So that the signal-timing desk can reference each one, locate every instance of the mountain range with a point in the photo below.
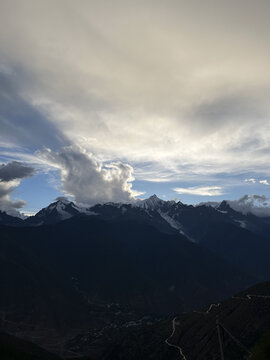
(167, 215)
(71, 273)
(241, 239)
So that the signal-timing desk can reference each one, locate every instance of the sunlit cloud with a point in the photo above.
(201, 191)
(264, 182)
(251, 180)
(89, 181)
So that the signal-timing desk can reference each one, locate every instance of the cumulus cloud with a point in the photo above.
(201, 191)
(10, 177)
(88, 180)
(255, 204)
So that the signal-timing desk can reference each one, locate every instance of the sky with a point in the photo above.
(116, 100)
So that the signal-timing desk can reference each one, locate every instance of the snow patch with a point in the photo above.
(60, 208)
(222, 211)
(152, 203)
(242, 223)
(173, 223)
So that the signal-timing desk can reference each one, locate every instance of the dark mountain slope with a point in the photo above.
(63, 271)
(241, 247)
(246, 317)
(36, 302)
(126, 261)
(12, 348)
(130, 212)
(9, 220)
(256, 224)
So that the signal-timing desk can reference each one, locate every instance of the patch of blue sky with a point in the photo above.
(38, 191)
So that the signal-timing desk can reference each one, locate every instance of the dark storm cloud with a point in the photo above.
(15, 170)
(6, 203)
(10, 176)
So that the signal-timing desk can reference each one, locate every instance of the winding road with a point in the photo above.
(173, 345)
(175, 322)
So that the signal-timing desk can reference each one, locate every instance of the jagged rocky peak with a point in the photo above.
(154, 199)
(151, 203)
(154, 202)
(61, 204)
(224, 206)
(62, 208)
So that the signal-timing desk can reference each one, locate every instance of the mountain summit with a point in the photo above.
(59, 210)
(153, 202)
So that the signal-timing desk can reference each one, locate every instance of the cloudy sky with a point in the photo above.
(111, 100)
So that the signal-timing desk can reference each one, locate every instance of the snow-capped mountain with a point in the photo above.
(152, 203)
(166, 209)
(148, 211)
(167, 216)
(59, 210)
(192, 221)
